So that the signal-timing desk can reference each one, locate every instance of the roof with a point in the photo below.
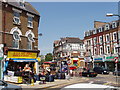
(56, 42)
(28, 7)
(72, 40)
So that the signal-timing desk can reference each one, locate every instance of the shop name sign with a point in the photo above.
(14, 54)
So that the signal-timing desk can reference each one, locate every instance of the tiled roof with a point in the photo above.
(28, 7)
(73, 40)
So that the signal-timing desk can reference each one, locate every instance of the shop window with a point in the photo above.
(30, 22)
(16, 18)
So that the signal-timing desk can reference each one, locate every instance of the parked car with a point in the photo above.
(89, 73)
(6, 86)
(116, 73)
(101, 70)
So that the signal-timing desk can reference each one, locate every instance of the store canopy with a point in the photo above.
(23, 60)
(72, 67)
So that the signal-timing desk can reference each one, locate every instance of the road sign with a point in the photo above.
(116, 59)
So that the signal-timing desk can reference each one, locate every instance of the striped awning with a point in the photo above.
(22, 60)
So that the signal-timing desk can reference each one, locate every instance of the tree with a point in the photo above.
(42, 59)
(48, 57)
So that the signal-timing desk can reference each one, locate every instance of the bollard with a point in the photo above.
(32, 82)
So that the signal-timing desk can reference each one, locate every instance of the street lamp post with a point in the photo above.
(118, 46)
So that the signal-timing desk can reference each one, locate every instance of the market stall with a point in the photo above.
(20, 66)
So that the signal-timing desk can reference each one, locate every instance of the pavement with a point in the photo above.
(57, 83)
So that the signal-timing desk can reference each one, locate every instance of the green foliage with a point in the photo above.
(48, 57)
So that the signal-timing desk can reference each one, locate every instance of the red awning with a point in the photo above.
(72, 67)
(75, 60)
(49, 62)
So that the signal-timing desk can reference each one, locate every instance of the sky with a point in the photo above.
(69, 19)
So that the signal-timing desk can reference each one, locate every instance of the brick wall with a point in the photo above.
(8, 22)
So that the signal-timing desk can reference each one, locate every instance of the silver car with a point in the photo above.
(6, 86)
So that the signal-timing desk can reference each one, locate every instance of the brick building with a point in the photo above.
(101, 44)
(19, 32)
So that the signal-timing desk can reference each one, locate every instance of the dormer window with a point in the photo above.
(22, 3)
(114, 24)
(107, 27)
(100, 29)
(94, 31)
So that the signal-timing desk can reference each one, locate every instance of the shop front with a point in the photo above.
(20, 65)
(98, 62)
(88, 62)
(81, 62)
(1, 67)
(110, 63)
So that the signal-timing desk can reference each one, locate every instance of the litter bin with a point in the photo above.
(50, 78)
(37, 78)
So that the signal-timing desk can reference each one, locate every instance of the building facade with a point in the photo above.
(18, 33)
(70, 49)
(101, 44)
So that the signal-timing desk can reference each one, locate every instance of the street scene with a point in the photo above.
(53, 45)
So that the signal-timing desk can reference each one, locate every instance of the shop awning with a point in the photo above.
(72, 67)
(23, 60)
(1, 58)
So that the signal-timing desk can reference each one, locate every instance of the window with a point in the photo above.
(107, 37)
(16, 44)
(114, 24)
(30, 22)
(94, 31)
(101, 39)
(107, 27)
(108, 49)
(101, 50)
(30, 40)
(100, 29)
(16, 18)
(22, 4)
(114, 36)
(95, 40)
(95, 51)
(16, 38)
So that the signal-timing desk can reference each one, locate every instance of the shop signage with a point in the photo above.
(15, 54)
(98, 59)
(110, 58)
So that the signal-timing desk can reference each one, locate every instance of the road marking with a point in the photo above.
(106, 84)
